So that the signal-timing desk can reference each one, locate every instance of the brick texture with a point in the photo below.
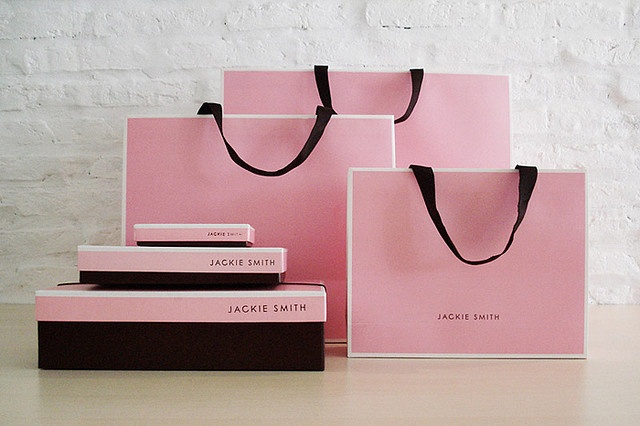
(71, 71)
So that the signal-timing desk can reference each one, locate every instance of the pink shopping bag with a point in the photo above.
(466, 263)
(444, 120)
(179, 170)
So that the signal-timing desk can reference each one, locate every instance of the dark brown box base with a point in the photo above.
(181, 346)
(194, 244)
(117, 278)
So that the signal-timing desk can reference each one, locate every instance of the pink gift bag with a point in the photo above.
(444, 120)
(466, 263)
(180, 170)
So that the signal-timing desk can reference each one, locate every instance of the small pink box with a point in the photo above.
(84, 326)
(194, 235)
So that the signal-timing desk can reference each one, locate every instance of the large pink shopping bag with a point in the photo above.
(444, 120)
(466, 263)
(180, 170)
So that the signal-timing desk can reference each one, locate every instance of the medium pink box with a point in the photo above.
(118, 265)
(194, 235)
(84, 326)
(409, 296)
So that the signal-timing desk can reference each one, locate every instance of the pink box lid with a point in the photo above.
(292, 302)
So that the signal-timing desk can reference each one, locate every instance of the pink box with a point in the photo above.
(194, 235)
(91, 327)
(409, 296)
(118, 265)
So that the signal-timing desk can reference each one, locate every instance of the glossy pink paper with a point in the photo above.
(460, 120)
(409, 295)
(178, 171)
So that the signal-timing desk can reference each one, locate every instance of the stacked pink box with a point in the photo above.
(187, 297)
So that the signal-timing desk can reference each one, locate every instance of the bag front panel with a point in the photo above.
(409, 294)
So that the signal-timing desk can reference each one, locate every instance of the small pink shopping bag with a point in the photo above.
(451, 263)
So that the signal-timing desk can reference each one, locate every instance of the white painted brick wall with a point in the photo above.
(72, 71)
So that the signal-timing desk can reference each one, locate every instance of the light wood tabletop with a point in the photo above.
(603, 389)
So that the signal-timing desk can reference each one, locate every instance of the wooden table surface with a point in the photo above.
(603, 389)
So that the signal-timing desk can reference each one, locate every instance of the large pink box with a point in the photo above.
(82, 326)
(409, 296)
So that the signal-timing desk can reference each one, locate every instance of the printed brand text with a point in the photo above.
(465, 316)
(252, 309)
(241, 262)
(223, 234)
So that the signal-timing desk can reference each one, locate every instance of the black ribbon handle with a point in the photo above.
(426, 181)
(321, 73)
(323, 115)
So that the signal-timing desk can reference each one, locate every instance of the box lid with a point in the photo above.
(291, 302)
